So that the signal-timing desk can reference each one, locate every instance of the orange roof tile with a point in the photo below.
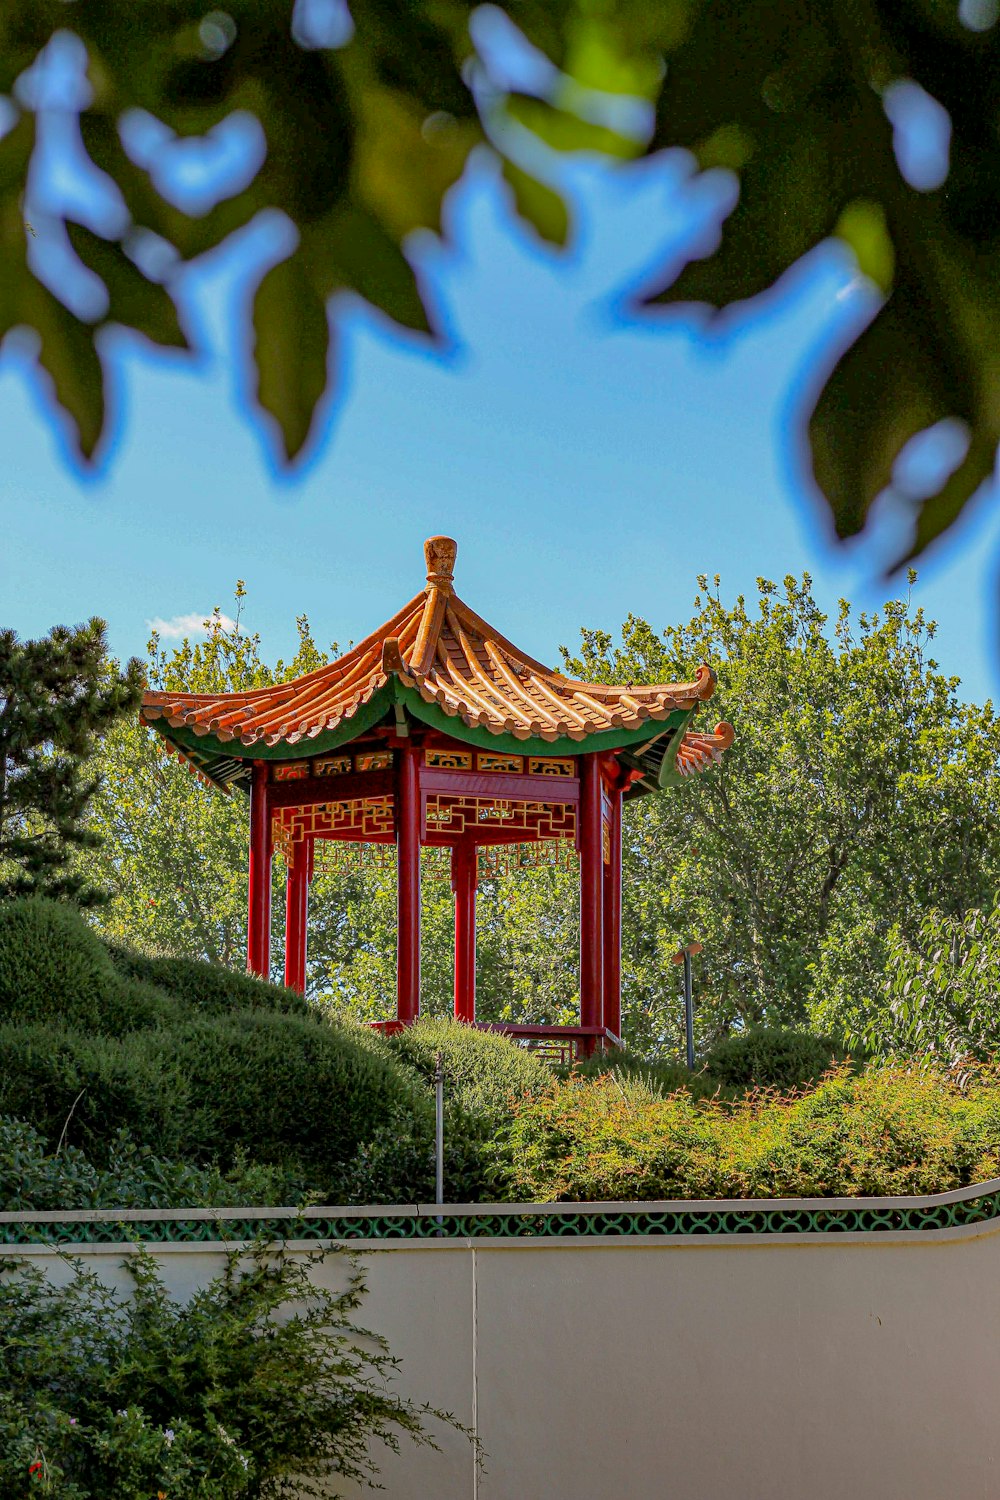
(440, 649)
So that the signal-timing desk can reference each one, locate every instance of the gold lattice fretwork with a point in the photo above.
(536, 820)
(506, 764)
(331, 765)
(546, 765)
(296, 770)
(448, 760)
(373, 760)
(362, 818)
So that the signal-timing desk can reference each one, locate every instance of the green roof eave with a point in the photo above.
(206, 748)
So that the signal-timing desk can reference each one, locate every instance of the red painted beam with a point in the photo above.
(408, 885)
(311, 789)
(591, 895)
(464, 879)
(512, 788)
(613, 920)
(259, 892)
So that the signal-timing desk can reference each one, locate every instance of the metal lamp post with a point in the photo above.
(684, 956)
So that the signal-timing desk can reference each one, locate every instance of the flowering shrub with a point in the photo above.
(260, 1387)
(891, 1131)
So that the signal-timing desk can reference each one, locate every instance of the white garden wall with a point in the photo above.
(796, 1366)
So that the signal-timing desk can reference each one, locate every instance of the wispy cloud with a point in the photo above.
(178, 626)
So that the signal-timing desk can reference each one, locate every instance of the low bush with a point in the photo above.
(288, 1092)
(770, 1057)
(484, 1070)
(661, 1074)
(884, 1131)
(34, 1177)
(82, 1089)
(261, 1376)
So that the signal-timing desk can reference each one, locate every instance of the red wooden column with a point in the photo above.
(259, 895)
(613, 919)
(407, 885)
(297, 916)
(591, 893)
(464, 880)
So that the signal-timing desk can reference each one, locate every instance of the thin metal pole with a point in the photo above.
(439, 1130)
(688, 1010)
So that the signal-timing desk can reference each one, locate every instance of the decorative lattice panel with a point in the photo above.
(556, 1221)
(535, 820)
(546, 765)
(362, 818)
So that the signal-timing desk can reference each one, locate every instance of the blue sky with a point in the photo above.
(589, 462)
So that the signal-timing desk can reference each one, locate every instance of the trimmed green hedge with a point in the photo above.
(210, 989)
(484, 1071)
(54, 968)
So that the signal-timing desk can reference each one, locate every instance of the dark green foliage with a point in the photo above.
(484, 1071)
(262, 1375)
(57, 696)
(288, 1091)
(770, 1057)
(32, 1176)
(209, 988)
(54, 968)
(398, 1164)
(85, 1088)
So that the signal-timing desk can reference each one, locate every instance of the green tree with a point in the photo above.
(368, 118)
(57, 696)
(860, 790)
(928, 990)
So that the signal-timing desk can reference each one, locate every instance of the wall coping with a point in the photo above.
(961, 1208)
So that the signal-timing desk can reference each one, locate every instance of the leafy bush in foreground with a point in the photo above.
(885, 1131)
(262, 1376)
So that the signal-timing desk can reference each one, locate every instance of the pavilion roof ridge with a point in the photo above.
(440, 650)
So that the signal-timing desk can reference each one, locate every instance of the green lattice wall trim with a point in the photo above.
(966, 1207)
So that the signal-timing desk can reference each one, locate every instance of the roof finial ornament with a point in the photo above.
(439, 554)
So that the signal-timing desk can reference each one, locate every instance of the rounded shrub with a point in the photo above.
(286, 1090)
(770, 1057)
(484, 1071)
(54, 968)
(83, 1089)
(210, 988)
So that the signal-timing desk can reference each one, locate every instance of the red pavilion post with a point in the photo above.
(408, 884)
(259, 896)
(464, 880)
(591, 894)
(613, 919)
(297, 916)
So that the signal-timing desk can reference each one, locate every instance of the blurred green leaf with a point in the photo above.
(537, 204)
(69, 357)
(561, 130)
(291, 345)
(135, 301)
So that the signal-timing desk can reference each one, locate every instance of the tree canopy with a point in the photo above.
(368, 117)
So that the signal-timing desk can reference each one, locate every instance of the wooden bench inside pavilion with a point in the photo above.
(437, 731)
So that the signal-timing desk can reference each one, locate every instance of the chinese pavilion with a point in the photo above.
(437, 730)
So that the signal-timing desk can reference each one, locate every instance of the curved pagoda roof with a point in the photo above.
(437, 662)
